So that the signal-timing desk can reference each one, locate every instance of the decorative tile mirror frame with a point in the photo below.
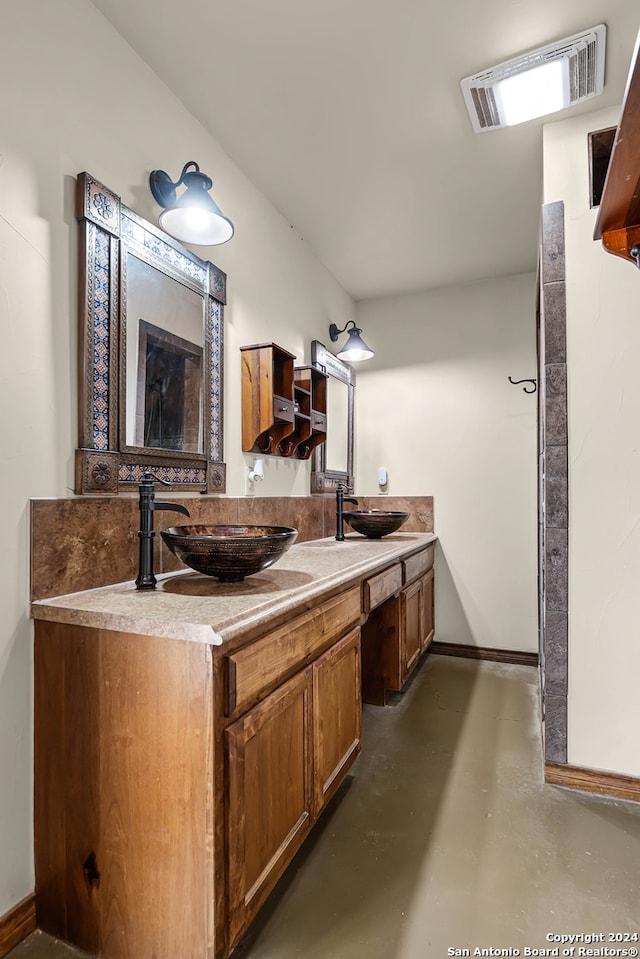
(332, 463)
(116, 245)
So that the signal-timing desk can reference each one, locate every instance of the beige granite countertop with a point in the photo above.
(187, 605)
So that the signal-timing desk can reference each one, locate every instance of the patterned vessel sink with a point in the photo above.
(375, 523)
(229, 552)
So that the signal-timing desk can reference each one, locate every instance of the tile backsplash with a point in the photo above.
(90, 541)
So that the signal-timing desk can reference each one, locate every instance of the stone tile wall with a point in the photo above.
(554, 516)
(87, 542)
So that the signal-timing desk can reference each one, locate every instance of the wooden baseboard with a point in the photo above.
(517, 657)
(593, 781)
(17, 924)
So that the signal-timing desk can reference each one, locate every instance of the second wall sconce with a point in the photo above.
(194, 216)
(355, 349)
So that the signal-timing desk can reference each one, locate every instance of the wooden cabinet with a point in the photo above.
(284, 408)
(399, 627)
(268, 416)
(310, 390)
(176, 779)
(618, 222)
(270, 800)
(285, 759)
(428, 617)
(411, 633)
(294, 701)
(337, 716)
(124, 799)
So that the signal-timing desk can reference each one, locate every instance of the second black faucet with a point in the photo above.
(341, 499)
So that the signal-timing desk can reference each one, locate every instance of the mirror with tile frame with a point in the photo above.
(150, 352)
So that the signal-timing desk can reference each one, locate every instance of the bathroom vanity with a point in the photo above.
(188, 738)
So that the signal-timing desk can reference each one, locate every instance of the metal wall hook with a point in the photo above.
(532, 389)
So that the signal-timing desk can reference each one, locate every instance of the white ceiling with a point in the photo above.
(348, 115)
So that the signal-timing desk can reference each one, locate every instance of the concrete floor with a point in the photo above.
(446, 838)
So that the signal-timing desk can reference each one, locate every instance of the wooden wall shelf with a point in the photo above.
(618, 223)
(284, 408)
(267, 397)
(310, 389)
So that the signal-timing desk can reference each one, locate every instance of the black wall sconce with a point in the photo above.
(194, 216)
(355, 348)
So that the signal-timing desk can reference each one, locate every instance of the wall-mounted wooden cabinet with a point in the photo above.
(267, 397)
(618, 222)
(284, 408)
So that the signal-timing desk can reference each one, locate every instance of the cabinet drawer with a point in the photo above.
(380, 587)
(418, 564)
(318, 421)
(282, 410)
(256, 669)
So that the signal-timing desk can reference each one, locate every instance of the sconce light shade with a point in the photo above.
(194, 216)
(355, 349)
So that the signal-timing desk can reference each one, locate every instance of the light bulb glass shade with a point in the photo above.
(196, 225)
(355, 349)
(533, 93)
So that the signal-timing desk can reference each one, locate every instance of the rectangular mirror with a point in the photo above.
(150, 384)
(333, 460)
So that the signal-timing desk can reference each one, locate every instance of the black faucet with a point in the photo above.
(341, 499)
(148, 506)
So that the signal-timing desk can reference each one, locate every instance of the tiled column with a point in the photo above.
(554, 513)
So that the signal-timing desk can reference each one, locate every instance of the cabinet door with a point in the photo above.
(411, 626)
(428, 619)
(269, 811)
(337, 716)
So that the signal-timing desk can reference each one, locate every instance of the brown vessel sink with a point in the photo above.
(375, 523)
(229, 552)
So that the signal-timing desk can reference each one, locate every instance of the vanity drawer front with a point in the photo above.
(417, 565)
(380, 587)
(282, 410)
(254, 670)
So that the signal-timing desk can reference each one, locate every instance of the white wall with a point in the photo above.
(74, 97)
(436, 408)
(603, 356)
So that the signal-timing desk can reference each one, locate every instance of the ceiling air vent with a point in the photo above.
(577, 66)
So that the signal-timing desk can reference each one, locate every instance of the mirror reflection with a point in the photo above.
(337, 422)
(164, 331)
